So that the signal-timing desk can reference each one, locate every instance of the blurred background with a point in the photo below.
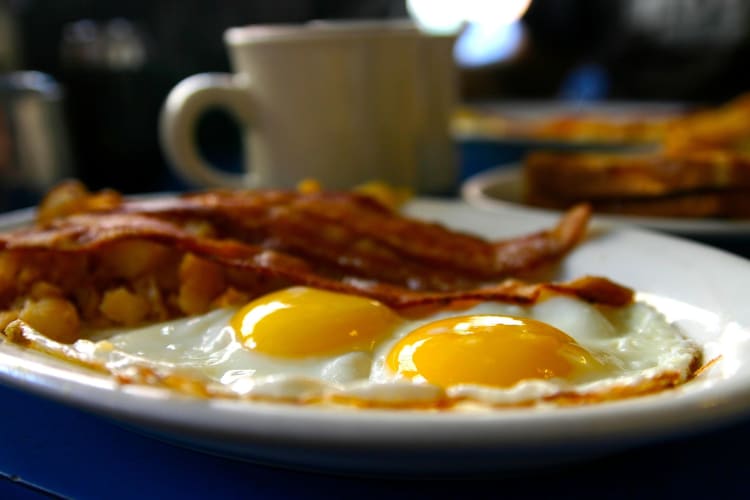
(116, 61)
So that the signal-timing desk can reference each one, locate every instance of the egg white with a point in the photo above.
(635, 341)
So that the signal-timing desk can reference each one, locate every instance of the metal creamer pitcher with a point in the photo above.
(34, 148)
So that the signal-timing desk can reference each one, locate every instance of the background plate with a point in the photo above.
(501, 188)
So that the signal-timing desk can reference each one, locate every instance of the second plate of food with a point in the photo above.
(502, 187)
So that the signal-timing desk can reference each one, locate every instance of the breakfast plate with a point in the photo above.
(501, 188)
(706, 302)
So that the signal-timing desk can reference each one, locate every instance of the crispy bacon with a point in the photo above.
(338, 234)
(334, 240)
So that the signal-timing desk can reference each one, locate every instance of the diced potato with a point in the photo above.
(390, 196)
(66, 198)
(309, 186)
(122, 306)
(72, 197)
(201, 281)
(54, 317)
(147, 288)
(132, 258)
(106, 199)
(42, 289)
(28, 274)
(231, 297)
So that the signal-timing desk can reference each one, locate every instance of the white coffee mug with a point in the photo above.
(340, 102)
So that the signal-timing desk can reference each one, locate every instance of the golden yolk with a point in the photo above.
(489, 350)
(303, 321)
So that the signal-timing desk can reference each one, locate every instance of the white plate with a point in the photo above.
(701, 289)
(501, 188)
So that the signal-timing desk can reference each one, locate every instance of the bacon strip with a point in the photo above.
(338, 219)
(339, 235)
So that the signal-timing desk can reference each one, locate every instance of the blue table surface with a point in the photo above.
(49, 449)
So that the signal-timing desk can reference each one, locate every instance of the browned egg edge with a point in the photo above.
(191, 386)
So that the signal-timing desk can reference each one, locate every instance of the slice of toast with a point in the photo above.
(724, 127)
(702, 169)
(720, 204)
(685, 184)
(604, 175)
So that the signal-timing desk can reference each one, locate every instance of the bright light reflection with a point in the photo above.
(257, 314)
(480, 44)
(436, 16)
(406, 356)
(471, 325)
(491, 28)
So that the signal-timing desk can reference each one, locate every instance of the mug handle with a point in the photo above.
(184, 105)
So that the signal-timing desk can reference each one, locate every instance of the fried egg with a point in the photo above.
(307, 345)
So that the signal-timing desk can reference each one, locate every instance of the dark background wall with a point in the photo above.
(118, 60)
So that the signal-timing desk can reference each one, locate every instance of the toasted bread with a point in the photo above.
(725, 204)
(702, 169)
(605, 175)
(686, 184)
(725, 127)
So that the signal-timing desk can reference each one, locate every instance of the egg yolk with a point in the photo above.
(301, 321)
(496, 351)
